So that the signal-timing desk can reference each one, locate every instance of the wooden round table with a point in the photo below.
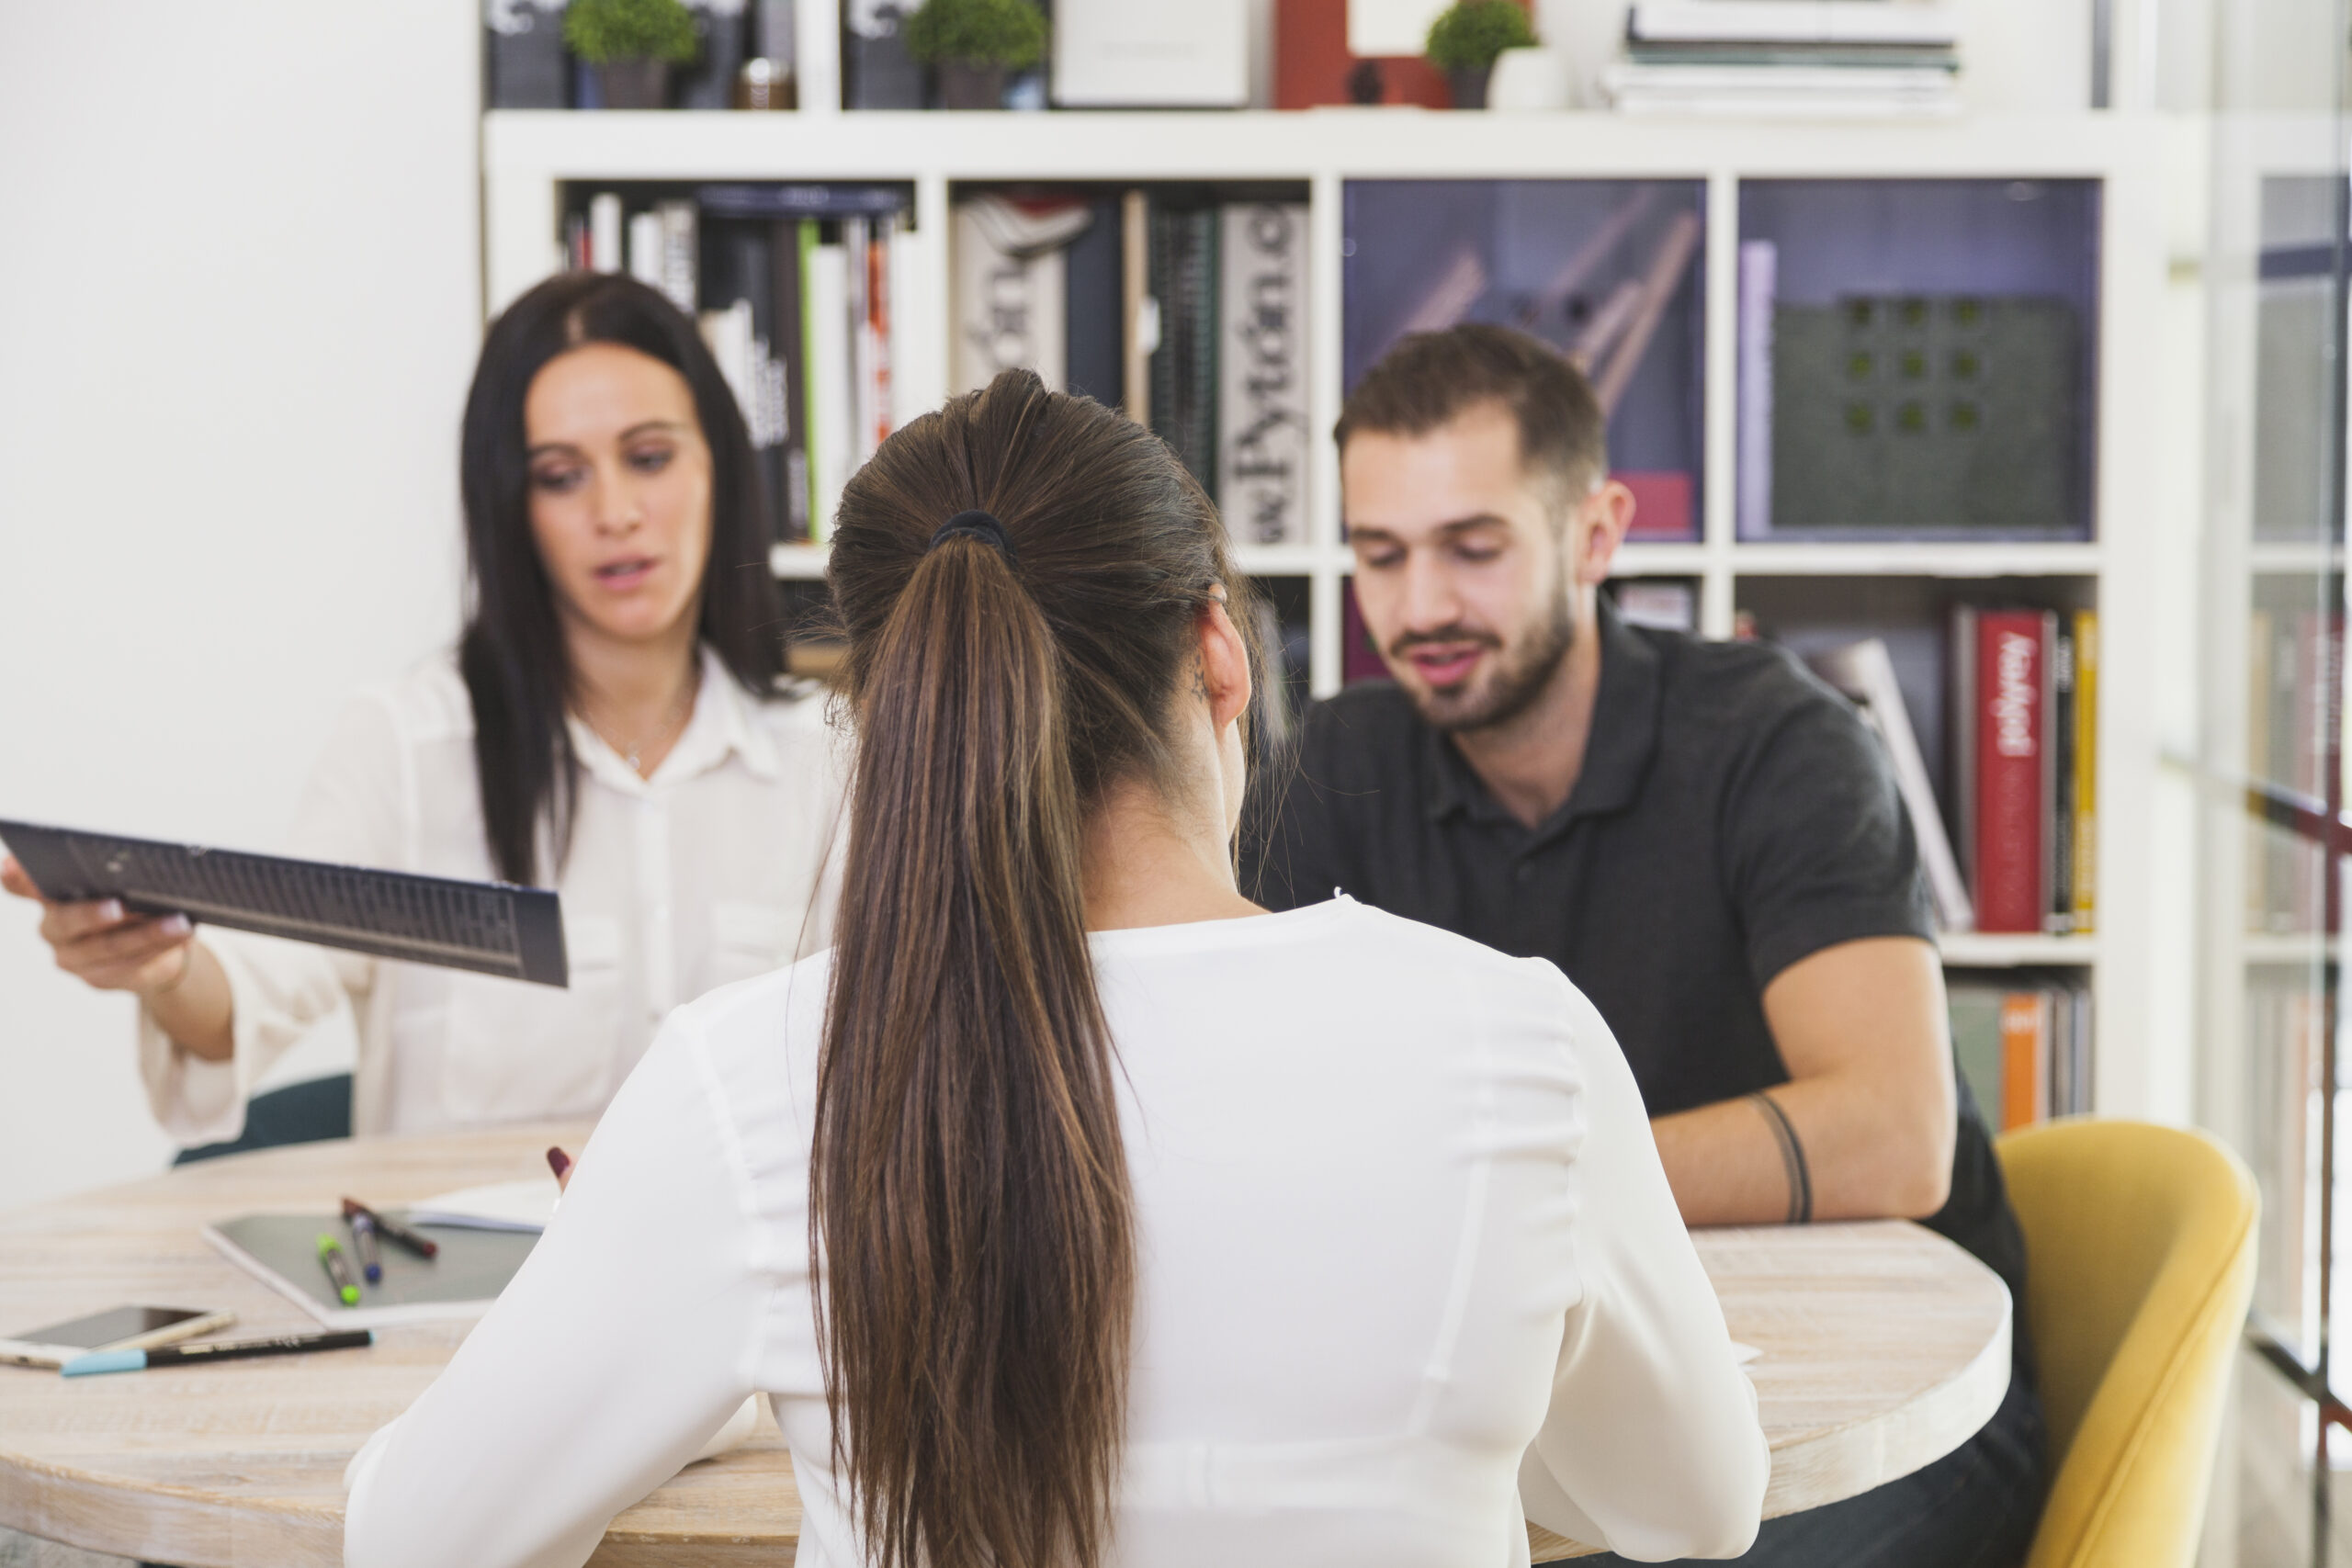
(1883, 1346)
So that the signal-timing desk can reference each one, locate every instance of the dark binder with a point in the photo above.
(490, 928)
(1093, 305)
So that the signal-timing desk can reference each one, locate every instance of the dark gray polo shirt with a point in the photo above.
(1733, 815)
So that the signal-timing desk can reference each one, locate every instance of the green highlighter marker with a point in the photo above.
(338, 1267)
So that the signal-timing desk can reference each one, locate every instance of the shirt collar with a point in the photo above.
(1617, 754)
(722, 726)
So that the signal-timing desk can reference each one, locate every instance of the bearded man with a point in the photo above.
(1703, 837)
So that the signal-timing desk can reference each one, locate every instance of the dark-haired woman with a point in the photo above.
(610, 725)
(1073, 1209)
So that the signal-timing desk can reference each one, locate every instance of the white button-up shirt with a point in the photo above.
(709, 872)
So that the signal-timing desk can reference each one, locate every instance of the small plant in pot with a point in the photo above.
(631, 45)
(973, 44)
(1464, 40)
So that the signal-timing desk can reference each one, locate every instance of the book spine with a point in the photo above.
(645, 248)
(830, 432)
(680, 227)
(604, 249)
(1139, 311)
(2011, 734)
(2025, 1058)
(789, 246)
(1009, 309)
(2058, 819)
(878, 335)
(857, 244)
(525, 43)
(1263, 442)
(1960, 720)
(1359, 658)
(1759, 267)
(2084, 881)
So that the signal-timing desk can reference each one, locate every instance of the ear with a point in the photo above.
(1225, 665)
(1596, 530)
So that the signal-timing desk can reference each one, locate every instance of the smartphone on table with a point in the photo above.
(119, 1329)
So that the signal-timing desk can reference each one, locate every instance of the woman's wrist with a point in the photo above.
(179, 976)
(193, 1009)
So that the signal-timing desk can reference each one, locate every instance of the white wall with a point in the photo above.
(239, 300)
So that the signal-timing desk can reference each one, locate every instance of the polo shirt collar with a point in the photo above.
(1617, 754)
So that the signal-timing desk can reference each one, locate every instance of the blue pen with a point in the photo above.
(363, 1240)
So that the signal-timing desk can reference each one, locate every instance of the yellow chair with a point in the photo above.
(2140, 1260)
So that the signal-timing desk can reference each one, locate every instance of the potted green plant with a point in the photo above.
(1464, 40)
(631, 45)
(973, 43)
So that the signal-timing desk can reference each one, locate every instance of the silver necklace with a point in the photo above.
(633, 751)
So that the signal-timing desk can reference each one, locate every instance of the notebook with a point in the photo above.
(282, 1252)
(492, 927)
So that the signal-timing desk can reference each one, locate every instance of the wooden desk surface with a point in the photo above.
(1883, 1347)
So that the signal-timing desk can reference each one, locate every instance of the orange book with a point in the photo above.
(2025, 1059)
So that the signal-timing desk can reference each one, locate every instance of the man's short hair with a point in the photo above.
(1430, 379)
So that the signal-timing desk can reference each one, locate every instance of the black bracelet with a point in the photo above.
(1791, 1158)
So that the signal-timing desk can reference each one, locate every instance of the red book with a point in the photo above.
(1662, 507)
(1359, 658)
(2012, 738)
(1312, 62)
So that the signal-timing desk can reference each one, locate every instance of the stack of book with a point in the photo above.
(2024, 718)
(2020, 765)
(1798, 57)
(2023, 1047)
(792, 286)
(1186, 310)
(2294, 679)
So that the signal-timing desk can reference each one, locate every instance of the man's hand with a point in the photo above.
(1863, 1032)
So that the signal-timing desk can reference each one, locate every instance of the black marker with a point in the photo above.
(424, 1247)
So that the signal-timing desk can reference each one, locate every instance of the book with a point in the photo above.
(1183, 367)
(1960, 735)
(525, 1205)
(604, 243)
(1008, 288)
(785, 199)
(2011, 724)
(1809, 91)
(645, 247)
(790, 348)
(2085, 839)
(1152, 53)
(1918, 22)
(522, 53)
(1758, 282)
(1864, 674)
(1974, 1006)
(2058, 837)
(1264, 446)
(681, 269)
(1358, 655)
(857, 240)
(741, 331)
(1139, 309)
(1093, 333)
(2025, 1021)
(490, 927)
(824, 273)
(281, 1251)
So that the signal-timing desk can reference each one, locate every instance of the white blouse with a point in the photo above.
(1409, 1273)
(704, 873)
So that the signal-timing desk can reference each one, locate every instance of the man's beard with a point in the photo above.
(1519, 677)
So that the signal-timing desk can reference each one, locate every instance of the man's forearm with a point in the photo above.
(1863, 1159)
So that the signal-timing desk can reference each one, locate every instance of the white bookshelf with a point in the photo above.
(528, 156)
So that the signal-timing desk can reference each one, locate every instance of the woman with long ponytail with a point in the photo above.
(1072, 1210)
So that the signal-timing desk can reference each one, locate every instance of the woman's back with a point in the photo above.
(1378, 1171)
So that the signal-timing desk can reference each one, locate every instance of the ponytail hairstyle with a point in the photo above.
(512, 652)
(970, 1212)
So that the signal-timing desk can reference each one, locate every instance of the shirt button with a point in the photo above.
(1524, 872)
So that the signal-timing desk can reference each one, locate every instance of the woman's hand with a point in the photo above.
(101, 944)
(155, 957)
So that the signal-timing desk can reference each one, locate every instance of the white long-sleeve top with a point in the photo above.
(1408, 1266)
(707, 872)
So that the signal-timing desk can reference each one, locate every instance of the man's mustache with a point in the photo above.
(1456, 633)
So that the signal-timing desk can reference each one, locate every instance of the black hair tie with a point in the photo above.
(980, 526)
